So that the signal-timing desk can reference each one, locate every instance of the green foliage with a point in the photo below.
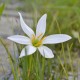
(2, 6)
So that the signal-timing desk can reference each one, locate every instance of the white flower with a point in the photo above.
(36, 41)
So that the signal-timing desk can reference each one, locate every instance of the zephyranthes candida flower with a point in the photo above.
(37, 41)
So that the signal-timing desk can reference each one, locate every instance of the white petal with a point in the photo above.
(41, 26)
(57, 38)
(20, 39)
(28, 50)
(46, 52)
(26, 28)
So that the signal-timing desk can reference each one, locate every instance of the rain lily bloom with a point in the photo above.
(37, 41)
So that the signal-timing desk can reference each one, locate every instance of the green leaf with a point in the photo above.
(2, 6)
(8, 52)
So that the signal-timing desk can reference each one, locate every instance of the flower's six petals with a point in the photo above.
(25, 28)
(41, 26)
(20, 39)
(28, 50)
(57, 38)
(40, 30)
(46, 52)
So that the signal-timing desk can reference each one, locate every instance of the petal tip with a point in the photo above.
(53, 56)
(8, 38)
(69, 37)
(19, 13)
(45, 15)
(50, 57)
(21, 56)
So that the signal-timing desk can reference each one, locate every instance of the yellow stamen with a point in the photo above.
(40, 42)
(33, 37)
(39, 35)
(36, 41)
(43, 38)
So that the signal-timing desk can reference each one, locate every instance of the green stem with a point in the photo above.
(37, 68)
(63, 66)
(71, 61)
(10, 58)
(58, 26)
(43, 68)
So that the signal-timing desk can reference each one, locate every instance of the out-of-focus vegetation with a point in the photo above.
(2, 6)
(63, 17)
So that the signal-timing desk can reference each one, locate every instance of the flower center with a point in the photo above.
(36, 42)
